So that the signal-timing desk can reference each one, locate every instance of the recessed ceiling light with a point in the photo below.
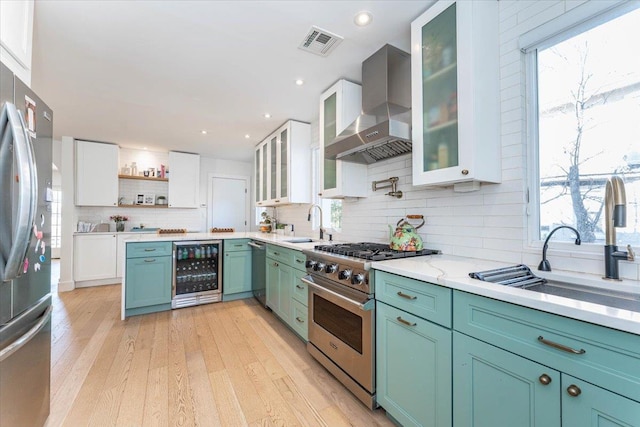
(299, 82)
(247, 136)
(267, 115)
(204, 132)
(363, 18)
(144, 148)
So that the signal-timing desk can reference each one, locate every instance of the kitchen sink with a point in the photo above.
(520, 276)
(609, 297)
(299, 240)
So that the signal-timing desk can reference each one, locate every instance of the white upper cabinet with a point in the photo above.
(184, 180)
(340, 105)
(96, 174)
(16, 37)
(283, 166)
(456, 94)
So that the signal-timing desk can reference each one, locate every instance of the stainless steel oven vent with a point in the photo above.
(383, 151)
(320, 42)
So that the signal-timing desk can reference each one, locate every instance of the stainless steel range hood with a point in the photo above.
(383, 130)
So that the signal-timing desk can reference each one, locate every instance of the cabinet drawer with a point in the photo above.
(148, 249)
(278, 253)
(602, 356)
(236, 245)
(299, 291)
(299, 319)
(429, 301)
(299, 260)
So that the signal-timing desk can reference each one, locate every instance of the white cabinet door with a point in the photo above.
(340, 105)
(94, 256)
(121, 249)
(96, 174)
(456, 94)
(16, 37)
(184, 180)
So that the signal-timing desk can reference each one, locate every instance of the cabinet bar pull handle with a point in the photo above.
(560, 346)
(299, 287)
(401, 320)
(574, 390)
(276, 253)
(545, 379)
(238, 246)
(149, 249)
(300, 319)
(299, 261)
(403, 295)
(150, 260)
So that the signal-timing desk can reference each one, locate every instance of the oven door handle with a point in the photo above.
(367, 306)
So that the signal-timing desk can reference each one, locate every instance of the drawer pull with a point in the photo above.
(299, 287)
(276, 253)
(299, 261)
(545, 379)
(401, 320)
(149, 249)
(300, 320)
(150, 260)
(238, 246)
(275, 264)
(574, 390)
(403, 295)
(560, 346)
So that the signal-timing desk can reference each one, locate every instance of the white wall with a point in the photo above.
(489, 223)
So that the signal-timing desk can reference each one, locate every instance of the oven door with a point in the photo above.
(342, 326)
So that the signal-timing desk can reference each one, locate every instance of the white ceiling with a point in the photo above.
(155, 73)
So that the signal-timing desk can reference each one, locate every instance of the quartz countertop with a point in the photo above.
(453, 272)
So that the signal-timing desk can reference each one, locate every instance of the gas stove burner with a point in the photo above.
(371, 251)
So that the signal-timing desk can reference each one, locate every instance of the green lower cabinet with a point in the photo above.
(236, 274)
(413, 368)
(279, 279)
(493, 387)
(299, 319)
(148, 282)
(586, 405)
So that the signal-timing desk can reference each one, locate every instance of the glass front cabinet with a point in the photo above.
(283, 165)
(456, 94)
(340, 105)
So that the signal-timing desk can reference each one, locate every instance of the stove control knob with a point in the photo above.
(344, 275)
(319, 266)
(358, 279)
(331, 268)
(310, 263)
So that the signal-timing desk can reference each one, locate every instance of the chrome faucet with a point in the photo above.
(309, 219)
(615, 215)
(544, 264)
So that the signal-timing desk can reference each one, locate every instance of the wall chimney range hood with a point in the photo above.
(383, 130)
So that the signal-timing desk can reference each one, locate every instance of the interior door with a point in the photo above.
(229, 203)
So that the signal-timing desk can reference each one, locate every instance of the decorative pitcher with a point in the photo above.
(405, 237)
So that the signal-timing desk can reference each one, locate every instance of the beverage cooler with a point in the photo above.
(197, 273)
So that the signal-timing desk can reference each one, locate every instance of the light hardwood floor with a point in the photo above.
(224, 364)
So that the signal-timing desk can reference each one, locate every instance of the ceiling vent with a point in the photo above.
(320, 42)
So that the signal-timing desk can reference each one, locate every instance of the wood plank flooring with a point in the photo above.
(224, 364)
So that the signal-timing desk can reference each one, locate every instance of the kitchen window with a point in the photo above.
(583, 100)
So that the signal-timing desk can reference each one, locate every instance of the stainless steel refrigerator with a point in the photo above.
(26, 129)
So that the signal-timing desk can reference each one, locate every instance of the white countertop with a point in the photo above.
(453, 272)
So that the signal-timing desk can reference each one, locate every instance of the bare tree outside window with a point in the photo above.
(589, 127)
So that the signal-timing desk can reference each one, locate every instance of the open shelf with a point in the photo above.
(144, 206)
(143, 178)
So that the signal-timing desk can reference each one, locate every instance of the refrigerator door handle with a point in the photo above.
(14, 253)
(24, 340)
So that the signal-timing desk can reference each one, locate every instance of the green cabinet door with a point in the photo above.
(236, 272)
(148, 281)
(273, 284)
(493, 387)
(284, 292)
(585, 405)
(413, 368)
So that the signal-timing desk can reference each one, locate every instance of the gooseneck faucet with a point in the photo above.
(309, 219)
(544, 264)
(615, 215)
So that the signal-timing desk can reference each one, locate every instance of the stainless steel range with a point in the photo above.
(342, 311)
